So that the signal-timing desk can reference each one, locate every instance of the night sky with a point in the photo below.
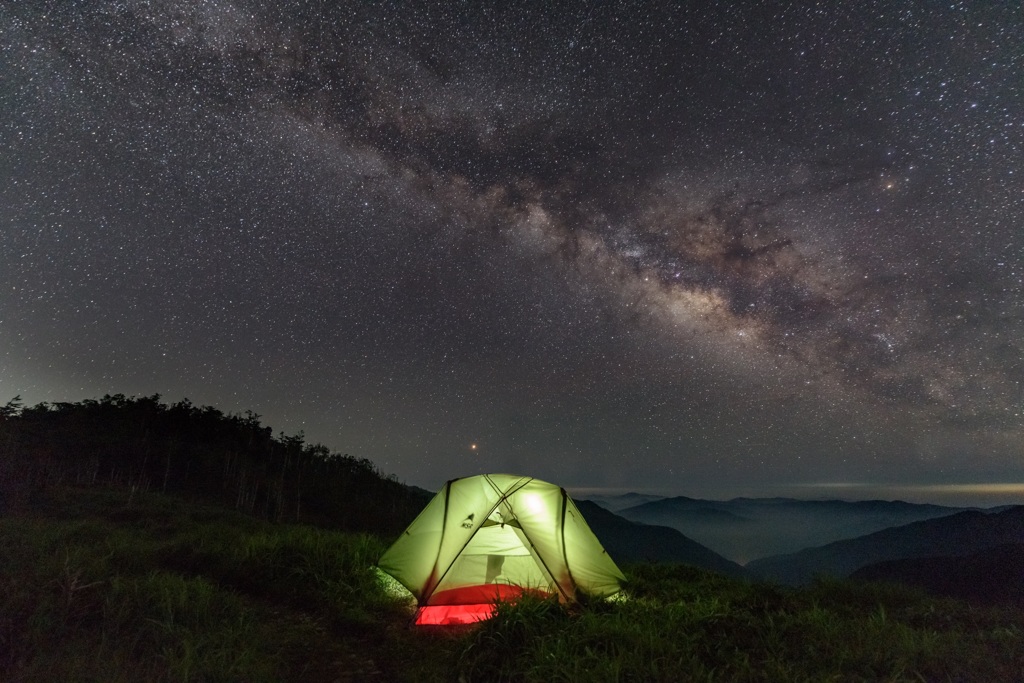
(755, 249)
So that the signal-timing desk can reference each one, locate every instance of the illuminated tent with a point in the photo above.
(493, 537)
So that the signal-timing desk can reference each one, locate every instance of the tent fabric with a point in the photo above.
(481, 535)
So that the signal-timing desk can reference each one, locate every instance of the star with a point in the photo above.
(753, 247)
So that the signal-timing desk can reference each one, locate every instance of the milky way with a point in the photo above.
(706, 250)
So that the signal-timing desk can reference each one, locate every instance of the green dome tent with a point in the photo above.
(492, 537)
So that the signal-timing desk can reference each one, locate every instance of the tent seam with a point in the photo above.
(440, 545)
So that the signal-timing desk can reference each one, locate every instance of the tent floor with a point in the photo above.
(469, 604)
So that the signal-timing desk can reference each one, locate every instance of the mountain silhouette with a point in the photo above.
(628, 541)
(743, 529)
(957, 535)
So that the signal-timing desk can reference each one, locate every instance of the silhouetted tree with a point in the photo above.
(137, 442)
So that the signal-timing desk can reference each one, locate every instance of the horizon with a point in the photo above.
(696, 248)
(951, 495)
(968, 494)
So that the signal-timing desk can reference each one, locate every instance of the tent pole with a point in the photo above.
(437, 558)
(565, 555)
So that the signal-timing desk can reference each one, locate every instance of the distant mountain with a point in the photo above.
(743, 529)
(623, 501)
(961, 534)
(629, 541)
(991, 575)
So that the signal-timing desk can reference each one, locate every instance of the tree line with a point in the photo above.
(144, 444)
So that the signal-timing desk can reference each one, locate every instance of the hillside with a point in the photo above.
(629, 541)
(957, 535)
(993, 575)
(106, 577)
(143, 444)
(102, 585)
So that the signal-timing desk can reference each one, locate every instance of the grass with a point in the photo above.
(167, 591)
(682, 623)
(92, 588)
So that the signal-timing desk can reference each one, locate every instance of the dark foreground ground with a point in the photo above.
(107, 585)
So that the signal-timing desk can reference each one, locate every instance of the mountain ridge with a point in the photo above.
(955, 535)
(744, 529)
(628, 541)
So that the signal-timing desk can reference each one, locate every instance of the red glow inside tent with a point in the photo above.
(469, 604)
